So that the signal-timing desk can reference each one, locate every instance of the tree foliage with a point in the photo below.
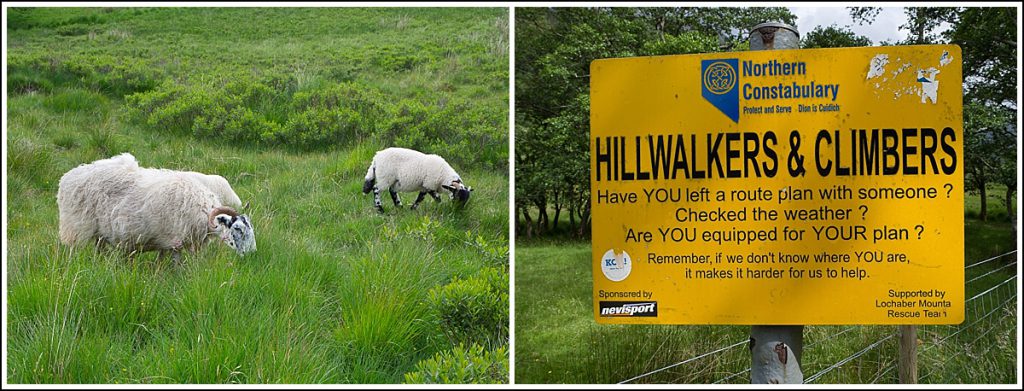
(989, 155)
(988, 38)
(833, 37)
(922, 25)
(554, 48)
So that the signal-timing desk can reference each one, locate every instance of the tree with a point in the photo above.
(864, 15)
(986, 136)
(988, 39)
(554, 48)
(988, 42)
(921, 25)
(731, 23)
(833, 37)
(552, 110)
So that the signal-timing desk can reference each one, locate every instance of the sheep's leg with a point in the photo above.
(394, 198)
(432, 193)
(161, 255)
(376, 199)
(176, 248)
(419, 199)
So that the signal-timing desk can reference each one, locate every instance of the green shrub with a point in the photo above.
(319, 128)
(72, 29)
(274, 109)
(495, 253)
(344, 72)
(497, 280)
(403, 129)
(25, 81)
(368, 102)
(173, 107)
(249, 92)
(396, 59)
(239, 124)
(117, 76)
(685, 43)
(211, 110)
(36, 72)
(462, 365)
(474, 310)
(464, 133)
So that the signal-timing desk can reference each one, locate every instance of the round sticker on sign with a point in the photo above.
(616, 267)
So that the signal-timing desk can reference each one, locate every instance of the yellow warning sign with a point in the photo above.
(820, 186)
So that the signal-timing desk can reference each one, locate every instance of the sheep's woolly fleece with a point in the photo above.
(406, 170)
(139, 208)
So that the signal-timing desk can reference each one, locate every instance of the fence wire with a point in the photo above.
(995, 300)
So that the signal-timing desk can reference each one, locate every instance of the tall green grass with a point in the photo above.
(336, 292)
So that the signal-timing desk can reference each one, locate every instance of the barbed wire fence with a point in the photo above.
(990, 299)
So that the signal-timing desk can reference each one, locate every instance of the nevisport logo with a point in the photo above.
(629, 308)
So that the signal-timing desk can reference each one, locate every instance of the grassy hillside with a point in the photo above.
(289, 105)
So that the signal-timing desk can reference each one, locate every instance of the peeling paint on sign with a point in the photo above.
(924, 86)
(900, 70)
(878, 64)
(929, 86)
(945, 58)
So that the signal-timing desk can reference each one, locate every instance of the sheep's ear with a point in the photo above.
(224, 220)
(244, 219)
(449, 188)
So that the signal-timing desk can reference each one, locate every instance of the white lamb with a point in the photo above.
(117, 202)
(406, 170)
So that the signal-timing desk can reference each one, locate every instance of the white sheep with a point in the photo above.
(117, 202)
(406, 170)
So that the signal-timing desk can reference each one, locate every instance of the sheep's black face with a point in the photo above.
(459, 192)
(462, 195)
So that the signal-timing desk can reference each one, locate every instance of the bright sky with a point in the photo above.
(885, 27)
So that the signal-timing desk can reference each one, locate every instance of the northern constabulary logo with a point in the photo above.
(719, 81)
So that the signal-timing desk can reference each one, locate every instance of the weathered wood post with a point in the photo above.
(775, 351)
(908, 354)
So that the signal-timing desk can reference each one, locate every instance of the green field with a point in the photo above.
(557, 340)
(289, 105)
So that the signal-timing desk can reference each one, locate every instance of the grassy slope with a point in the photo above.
(557, 340)
(336, 291)
(459, 51)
